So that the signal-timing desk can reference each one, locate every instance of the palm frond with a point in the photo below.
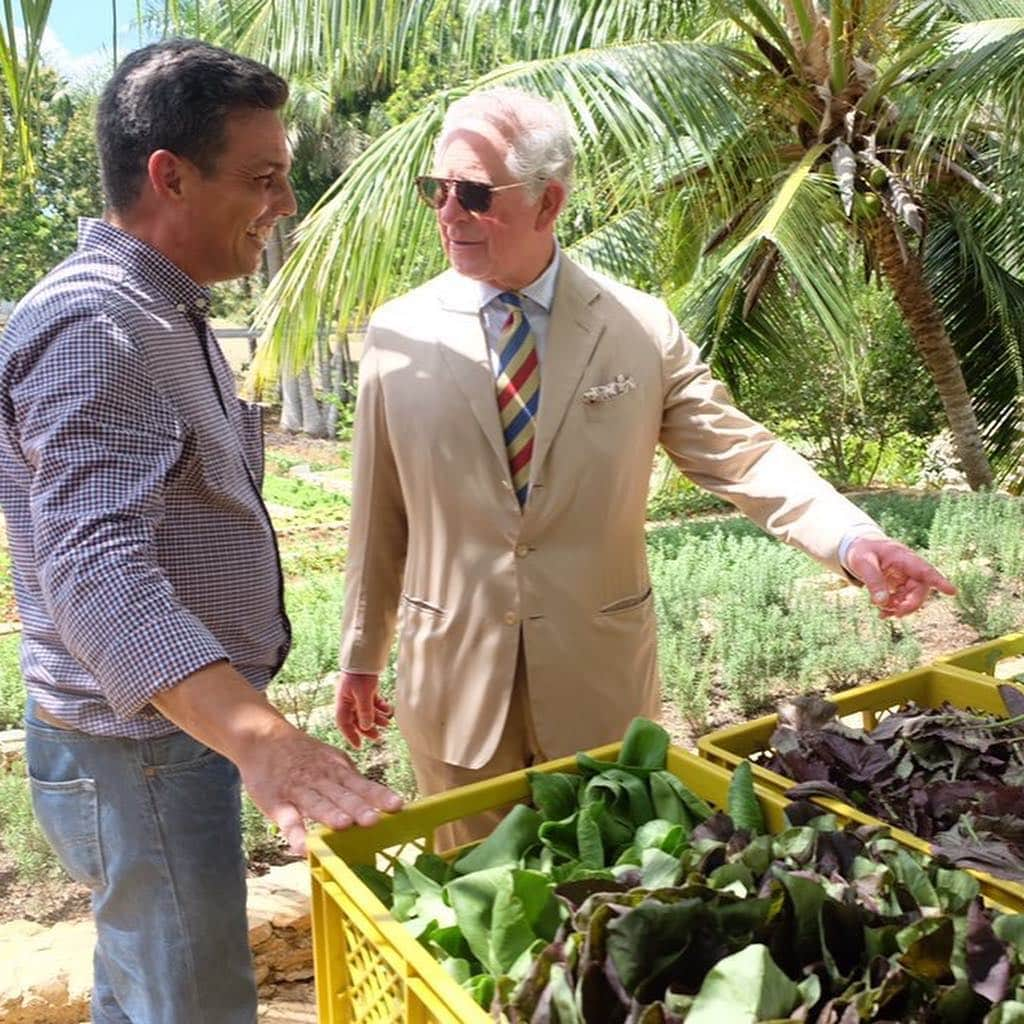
(812, 257)
(538, 30)
(17, 69)
(738, 347)
(980, 89)
(357, 246)
(623, 247)
(358, 45)
(361, 244)
(983, 302)
(808, 248)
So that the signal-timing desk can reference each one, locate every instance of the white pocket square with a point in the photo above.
(605, 392)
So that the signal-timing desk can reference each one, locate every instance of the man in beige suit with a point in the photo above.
(515, 563)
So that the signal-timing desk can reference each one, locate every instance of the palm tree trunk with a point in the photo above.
(905, 273)
(300, 411)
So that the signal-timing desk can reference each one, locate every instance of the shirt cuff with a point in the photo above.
(154, 657)
(852, 534)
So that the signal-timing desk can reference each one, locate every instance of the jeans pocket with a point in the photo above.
(68, 814)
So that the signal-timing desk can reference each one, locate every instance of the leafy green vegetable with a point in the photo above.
(624, 898)
(745, 987)
(743, 806)
(945, 774)
(506, 845)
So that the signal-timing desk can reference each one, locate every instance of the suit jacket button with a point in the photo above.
(511, 618)
(522, 550)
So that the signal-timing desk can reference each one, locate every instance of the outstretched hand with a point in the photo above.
(294, 777)
(898, 580)
(360, 711)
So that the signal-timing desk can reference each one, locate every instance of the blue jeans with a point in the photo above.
(153, 827)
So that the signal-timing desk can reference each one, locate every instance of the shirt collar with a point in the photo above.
(471, 296)
(143, 260)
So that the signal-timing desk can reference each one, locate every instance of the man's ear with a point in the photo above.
(551, 202)
(166, 173)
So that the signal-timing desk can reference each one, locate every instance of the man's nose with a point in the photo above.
(451, 210)
(286, 205)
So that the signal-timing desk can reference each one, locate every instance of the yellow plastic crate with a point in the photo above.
(928, 687)
(985, 659)
(369, 969)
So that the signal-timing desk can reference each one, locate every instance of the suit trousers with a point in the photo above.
(518, 748)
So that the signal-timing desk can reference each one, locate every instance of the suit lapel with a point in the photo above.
(572, 335)
(465, 351)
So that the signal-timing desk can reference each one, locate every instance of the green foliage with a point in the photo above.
(906, 519)
(12, 688)
(607, 896)
(22, 837)
(398, 775)
(39, 226)
(674, 496)
(980, 538)
(314, 607)
(261, 838)
(743, 617)
(836, 404)
(297, 493)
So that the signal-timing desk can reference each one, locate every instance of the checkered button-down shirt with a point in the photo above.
(130, 478)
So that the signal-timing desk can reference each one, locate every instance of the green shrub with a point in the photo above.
(674, 496)
(980, 527)
(978, 539)
(12, 688)
(261, 838)
(21, 835)
(744, 618)
(905, 518)
(314, 607)
(294, 493)
(398, 774)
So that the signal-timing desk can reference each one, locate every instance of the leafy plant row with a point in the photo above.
(947, 774)
(622, 897)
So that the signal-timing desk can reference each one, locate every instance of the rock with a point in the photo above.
(46, 973)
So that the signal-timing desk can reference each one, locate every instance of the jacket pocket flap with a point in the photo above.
(625, 603)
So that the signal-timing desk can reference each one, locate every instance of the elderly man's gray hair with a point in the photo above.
(542, 146)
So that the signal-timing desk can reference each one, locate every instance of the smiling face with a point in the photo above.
(228, 214)
(510, 245)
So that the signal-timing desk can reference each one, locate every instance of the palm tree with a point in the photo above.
(770, 137)
(736, 150)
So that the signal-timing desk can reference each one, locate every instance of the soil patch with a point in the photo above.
(47, 901)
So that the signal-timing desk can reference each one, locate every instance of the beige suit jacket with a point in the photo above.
(440, 549)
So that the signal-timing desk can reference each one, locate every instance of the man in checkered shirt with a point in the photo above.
(145, 565)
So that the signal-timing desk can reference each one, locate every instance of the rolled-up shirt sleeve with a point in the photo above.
(100, 442)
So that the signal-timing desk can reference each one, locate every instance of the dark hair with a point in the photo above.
(175, 95)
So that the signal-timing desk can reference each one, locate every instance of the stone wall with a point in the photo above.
(46, 973)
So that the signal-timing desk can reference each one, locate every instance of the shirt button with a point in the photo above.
(522, 550)
(511, 618)
(180, 307)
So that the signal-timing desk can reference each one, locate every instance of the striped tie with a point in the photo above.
(518, 386)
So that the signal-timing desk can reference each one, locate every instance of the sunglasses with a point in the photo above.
(473, 196)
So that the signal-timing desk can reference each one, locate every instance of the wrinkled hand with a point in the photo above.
(898, 581)
(293, 777)
(359, 710)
